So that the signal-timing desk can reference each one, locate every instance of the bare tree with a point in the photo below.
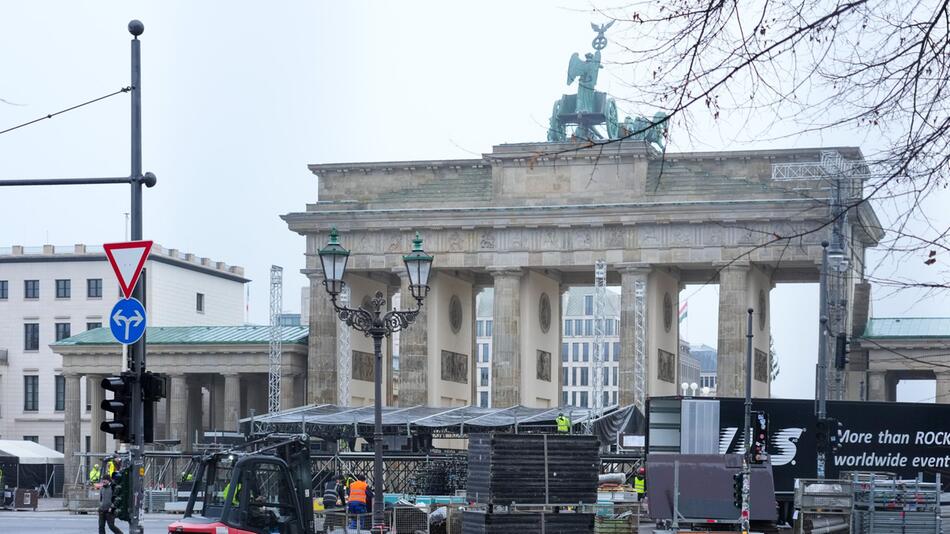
(876, 69)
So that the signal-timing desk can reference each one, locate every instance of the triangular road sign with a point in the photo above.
(127, 260)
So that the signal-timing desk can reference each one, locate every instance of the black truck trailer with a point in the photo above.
(894, 437)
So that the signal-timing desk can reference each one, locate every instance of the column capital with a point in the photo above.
(635, 268)
(732, 265)
(505, 272)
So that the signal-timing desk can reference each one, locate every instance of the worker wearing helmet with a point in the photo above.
(563, 423)
(639, 482)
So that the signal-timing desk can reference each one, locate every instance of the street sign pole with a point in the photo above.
(137, 350)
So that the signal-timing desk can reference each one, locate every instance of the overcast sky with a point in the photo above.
(239, 97)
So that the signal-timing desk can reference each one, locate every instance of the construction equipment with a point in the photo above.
(275, 348)
(262, 486)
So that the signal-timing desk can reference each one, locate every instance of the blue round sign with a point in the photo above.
(127, 321)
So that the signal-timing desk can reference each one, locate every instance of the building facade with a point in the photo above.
(49, 293)
(707, 366)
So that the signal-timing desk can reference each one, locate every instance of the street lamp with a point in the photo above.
(374, 323)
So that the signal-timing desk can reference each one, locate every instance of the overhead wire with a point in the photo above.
(71, 108)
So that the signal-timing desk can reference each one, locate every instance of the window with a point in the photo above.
(31, 394)
(480, 328)
(563, 398)
(31, 289)
(613, 397)
(588, 327)
(31, 336)
(62, 331)
(577, 352)
(606, 380)
(485, 352)
(93, 326)
(568, 331)
(483, 399)
(614, 372)
(616, 351)
(565, 352)
(483, 376)
(574, 398)
(606, 399)
(583, 403)
(588, 304)
(586, 352)
(574, 376)
(94, 288)
(200, 302)
(578, 327)
(488, 327)
(4, 290)
(584, 376)
(63, 289)
(58, 443)
(60, 384)
(34, 439)
(564, 376)
(605, 352)
(610, 328)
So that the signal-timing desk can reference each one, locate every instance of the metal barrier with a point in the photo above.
(897, 506)
(399, 520)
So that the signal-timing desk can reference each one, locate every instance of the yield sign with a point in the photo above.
(127, 260)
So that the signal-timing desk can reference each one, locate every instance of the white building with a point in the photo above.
(707, 361)
(49, 293)
(577, 348)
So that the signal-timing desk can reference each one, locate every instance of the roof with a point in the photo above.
(326, 418)
(196, 335)
(908, 327)
(575, 297)
(30, 453)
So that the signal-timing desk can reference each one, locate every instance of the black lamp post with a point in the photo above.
(374, 323)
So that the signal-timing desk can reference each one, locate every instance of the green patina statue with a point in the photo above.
(591, 114)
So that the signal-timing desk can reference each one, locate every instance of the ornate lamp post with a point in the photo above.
(376, 324)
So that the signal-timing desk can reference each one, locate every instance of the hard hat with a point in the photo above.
(642, 471)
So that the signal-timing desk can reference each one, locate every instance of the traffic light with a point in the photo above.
(826, 435)
(737, 490)
(120, 406)
(841, 351)
(760, 438)
(153, 390)
(122, 493)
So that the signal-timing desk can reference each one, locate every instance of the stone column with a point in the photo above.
(562, 290)
(413, 350)
(322, 356)
(72, 433)
(217, 402)
(232, 401)
(877, 386)
(97, 439)
(627, 367)
(733, 316)
(943, 387)
(194, 413)
(288, 397)
(178, 410)
(506, 339)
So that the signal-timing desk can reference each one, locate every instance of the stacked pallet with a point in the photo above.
(474, 522)
(505, 469)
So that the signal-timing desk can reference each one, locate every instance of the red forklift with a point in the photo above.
(262, 487)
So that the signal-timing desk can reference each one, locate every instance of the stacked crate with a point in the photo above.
(531, 483)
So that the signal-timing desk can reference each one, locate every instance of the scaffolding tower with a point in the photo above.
(600, 326)
(344, 364)
(274, 354)
(639, 344)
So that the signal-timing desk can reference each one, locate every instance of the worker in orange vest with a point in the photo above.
(359, 497)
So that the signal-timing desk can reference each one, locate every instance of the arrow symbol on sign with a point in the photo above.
(133, 321)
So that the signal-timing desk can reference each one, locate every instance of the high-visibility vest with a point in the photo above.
(94, 474)
(330, 491)
(234, 498)
(563, 424)
(639, 484)
(111, 468)
(358, 492)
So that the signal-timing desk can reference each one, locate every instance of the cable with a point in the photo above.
(77, 106)
(902, 355)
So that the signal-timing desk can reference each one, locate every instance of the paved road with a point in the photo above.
(65, 523)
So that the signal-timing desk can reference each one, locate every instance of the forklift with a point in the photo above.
(261, 487)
